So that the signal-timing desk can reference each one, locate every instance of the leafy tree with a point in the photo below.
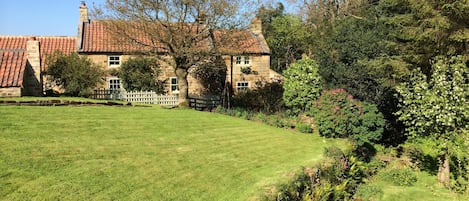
(77, 75)
(180, 29)
(141, 74)
(286, 35)
(437, 108)
(302, 85)
(422, 30)
(288, 40)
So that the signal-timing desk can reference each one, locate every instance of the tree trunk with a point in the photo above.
(183, 85)
(443, 170)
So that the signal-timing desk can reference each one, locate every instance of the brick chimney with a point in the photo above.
(34, 60)
(83, 19)
(256, 26)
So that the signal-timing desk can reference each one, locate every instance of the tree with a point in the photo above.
(302, 85)
(141, 74)
(437, 107)
(422, 30)
(288, 40)
(188, 31)
(77, 75)
(211, 74)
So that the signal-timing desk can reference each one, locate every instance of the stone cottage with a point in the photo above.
(22, 63)
(18, 54)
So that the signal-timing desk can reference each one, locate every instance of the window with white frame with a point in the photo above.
(173, 85)
(238, 60)
(114, 61)
(242, 86)
(114, 83)
(243, 61)
(246, 61)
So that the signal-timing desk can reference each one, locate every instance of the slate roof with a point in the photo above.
(98, 38)
(12, 67)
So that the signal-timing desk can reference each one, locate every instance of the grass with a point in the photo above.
(143, 153)
(426, 188)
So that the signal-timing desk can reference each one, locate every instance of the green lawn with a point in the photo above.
(426, 188)
(143, 153)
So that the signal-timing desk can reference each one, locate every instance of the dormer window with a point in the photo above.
(114, 61)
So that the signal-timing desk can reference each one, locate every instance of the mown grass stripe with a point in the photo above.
(89, 152)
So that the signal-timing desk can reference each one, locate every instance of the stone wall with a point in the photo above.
(259, 64)
(10, 92)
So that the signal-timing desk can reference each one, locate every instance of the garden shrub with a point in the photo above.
(266, 97)
(77, 75)
(338, 115)
(302, 85)
(336, 178)
(304, 128)
(141, 74)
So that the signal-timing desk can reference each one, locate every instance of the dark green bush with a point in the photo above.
(266, 97)
(402, 176)
(338, 115)
(140, 74)
(77, 75)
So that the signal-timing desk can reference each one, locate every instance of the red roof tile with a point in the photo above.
(8, 43)
(98, 38)
(12, 66)
(47, 45)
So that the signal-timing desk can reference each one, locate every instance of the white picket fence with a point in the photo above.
(149, 97)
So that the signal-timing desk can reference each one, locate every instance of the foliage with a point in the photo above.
(180, 29)
(288, 40)
(212, 75)
(77, 75)
(304, 128)
(422, 30)
(337, 114)
(438, 108)
(286, 35)
(302, 85)
(335, 178)
(141, 74)
(265, 97)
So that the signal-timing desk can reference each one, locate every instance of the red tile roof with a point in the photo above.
(12, 66)
(98, 38)
(47, 45)
(13, 43)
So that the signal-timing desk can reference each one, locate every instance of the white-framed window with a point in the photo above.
(244, 85)
(243, 60)
(173, 85)
(114, 61)
(247, 61)
(238, 60)
(114, 83)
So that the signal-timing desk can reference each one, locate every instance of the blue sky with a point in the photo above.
(40, 17)
(44, 17)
